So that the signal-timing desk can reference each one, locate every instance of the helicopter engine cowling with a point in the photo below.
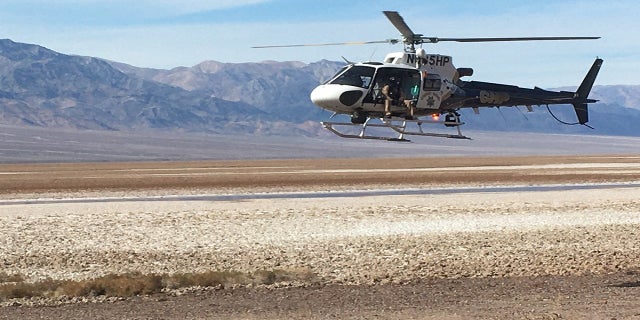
(465, 72)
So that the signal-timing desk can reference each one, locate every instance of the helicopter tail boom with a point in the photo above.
(581, 96)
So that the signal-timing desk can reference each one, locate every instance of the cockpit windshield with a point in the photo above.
(357, 76)
(336, 75)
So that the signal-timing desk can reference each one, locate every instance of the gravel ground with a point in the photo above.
(544, 244)
(340, 240)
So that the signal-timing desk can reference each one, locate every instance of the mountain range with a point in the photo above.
(41, 87)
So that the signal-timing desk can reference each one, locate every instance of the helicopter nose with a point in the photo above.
(335, 97)
(324, 97)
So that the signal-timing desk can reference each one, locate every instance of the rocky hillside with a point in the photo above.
(45, 88)
(278, 88)
(48, 89)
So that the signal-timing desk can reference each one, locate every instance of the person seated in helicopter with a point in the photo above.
(391, 92)
(399, 95)
(410, 92)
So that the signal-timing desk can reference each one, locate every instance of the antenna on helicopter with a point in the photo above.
(347, 60)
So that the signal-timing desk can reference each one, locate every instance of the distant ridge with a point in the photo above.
(40, 87)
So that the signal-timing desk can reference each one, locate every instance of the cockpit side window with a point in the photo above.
(357, 76)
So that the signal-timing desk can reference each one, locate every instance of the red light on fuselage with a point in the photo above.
(435, 117)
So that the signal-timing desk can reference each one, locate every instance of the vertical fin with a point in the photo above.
(581, 95)
(582, 111)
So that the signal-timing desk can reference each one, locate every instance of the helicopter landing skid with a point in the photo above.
(400, 128)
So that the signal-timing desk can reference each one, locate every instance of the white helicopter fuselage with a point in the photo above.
(424, 80)
(412, 83)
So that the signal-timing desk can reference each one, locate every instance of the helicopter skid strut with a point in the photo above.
(400, 128)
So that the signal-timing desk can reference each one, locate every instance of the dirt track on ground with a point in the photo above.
(282, 175)
(536, 255)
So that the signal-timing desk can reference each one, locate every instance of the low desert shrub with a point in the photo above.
(133, 284)
(125, 285)
(5, 277)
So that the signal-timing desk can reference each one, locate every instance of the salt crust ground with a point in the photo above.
(340, 240)
(531, 236)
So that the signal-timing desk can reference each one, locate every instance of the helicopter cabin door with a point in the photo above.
(405, 83)
(431, 96)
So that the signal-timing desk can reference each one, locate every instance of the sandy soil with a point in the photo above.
(536, 255)
(100, 179)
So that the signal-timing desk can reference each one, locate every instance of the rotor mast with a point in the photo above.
(409, 38)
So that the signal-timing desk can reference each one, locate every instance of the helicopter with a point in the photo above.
(411, 84)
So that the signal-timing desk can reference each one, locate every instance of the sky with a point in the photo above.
(167, 33)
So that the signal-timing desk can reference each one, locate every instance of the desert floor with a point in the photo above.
(423, 238)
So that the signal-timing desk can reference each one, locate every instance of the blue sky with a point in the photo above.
(168, 33)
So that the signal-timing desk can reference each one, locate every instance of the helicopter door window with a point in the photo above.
(411, 84)
(407, 80)
(432, 82)
(357, 76)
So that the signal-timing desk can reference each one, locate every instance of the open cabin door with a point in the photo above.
(407, 82)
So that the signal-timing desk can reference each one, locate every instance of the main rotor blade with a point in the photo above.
(436, 40)
(391, 41)
(398, 22)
